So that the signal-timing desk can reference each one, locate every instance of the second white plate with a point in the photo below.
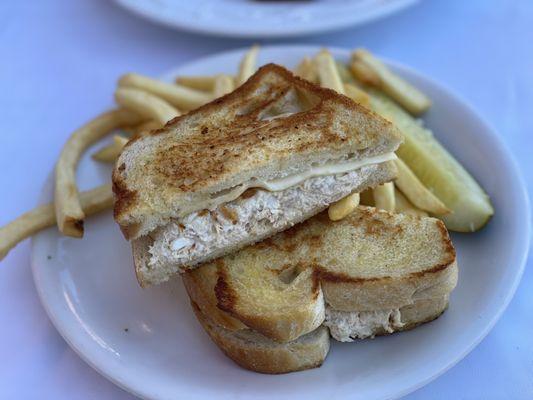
(246, 18)
(148, 341)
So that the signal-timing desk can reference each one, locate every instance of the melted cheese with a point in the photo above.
(286, 182)
(326, 169)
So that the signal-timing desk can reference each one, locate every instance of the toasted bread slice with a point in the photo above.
(273, 126)
(256, 352)
(371, 260)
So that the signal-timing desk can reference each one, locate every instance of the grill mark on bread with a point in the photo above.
(434, 269)
(316, 279)
(375, 224)
(225, 295)
(314, 241)
(289, 247)
(322, 274)
(330, 276)
(124, 198)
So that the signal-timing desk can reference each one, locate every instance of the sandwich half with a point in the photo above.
(372, 273)
(273, 153)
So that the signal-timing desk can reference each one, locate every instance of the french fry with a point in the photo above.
(327, 71)
(416, 192)
(364, 73)
(344, 73)
(384, 197)
(248, 65)
(357, 95)
(205, 83)
(145, 104)
(68, 210)
(129, 131)
(405, 206)
(141, 128)
(41, 217)
(224, 84)
(306, 70)
(409, 97)
(343, 207)
(182, 97)
(111, 152)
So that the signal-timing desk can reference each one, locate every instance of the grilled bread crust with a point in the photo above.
(256, 352)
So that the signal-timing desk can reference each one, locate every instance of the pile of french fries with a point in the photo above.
(145, 104)
(406, 194)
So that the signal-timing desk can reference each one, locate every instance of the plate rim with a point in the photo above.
(229, 31)
(521, 253)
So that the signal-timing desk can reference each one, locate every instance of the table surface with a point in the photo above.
(59, 63)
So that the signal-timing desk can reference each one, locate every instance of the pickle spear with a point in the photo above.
(437, 169)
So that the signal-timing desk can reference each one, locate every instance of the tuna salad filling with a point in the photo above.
(345, 326)
(250, 217)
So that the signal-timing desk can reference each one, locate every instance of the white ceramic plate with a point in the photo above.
(148, 341)
(247, 18)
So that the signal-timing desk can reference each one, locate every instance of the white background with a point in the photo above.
(59, 61)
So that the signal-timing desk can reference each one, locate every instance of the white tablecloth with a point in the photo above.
(59, 61)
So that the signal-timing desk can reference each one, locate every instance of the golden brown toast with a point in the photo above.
(272, 126)
(256, 352)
